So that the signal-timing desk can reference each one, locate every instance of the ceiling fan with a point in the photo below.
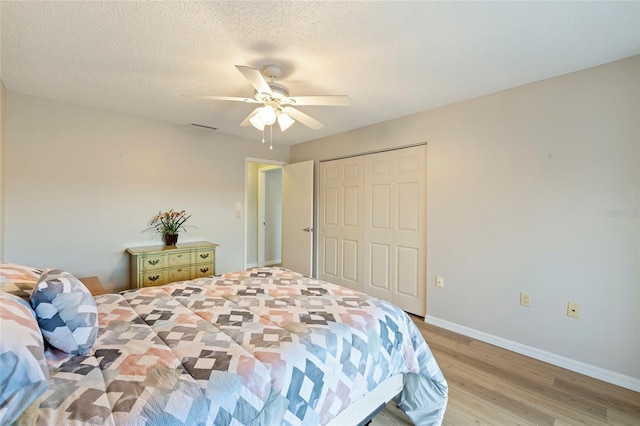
(277, 105)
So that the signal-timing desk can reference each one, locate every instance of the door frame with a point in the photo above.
(248, 160)
(262, 206)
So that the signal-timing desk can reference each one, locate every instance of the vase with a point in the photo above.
(170, 239)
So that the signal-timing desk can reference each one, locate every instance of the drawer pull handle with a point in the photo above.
(154, 278)
(154, 262)
(203, 270)
(204, 256)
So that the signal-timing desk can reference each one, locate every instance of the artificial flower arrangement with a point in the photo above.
(169, 224)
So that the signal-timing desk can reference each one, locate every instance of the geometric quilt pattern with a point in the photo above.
(265, 346)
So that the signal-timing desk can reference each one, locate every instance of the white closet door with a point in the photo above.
(379, 200)
(373, 225)
(410, 237)
(340, 256)
(395, 227)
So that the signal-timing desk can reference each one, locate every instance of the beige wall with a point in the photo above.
(2, 157)
(537, 189)
(81, 185)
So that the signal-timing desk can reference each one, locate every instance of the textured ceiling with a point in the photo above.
(391, 58)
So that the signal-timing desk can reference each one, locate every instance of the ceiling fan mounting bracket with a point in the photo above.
(272, 71)
(279, 91)
(279, 94)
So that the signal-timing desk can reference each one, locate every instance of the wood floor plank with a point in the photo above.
(491, 386)
(601, 387)
(519, 412)
(597, 397)
(621, 418)
(467, 372)
(463, 411)
(559, 409)
(521, 379)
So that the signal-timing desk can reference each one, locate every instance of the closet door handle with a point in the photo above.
(308, 229)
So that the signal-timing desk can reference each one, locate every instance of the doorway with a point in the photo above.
(269, 216)
(279, 215)
(263, 213)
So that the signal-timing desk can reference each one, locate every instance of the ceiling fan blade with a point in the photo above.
(255, 78)
(246, 122)
(329, 100)
(303, 118)
(223, 98)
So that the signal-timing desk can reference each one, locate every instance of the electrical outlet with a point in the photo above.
(440, 282)
(573, 310)
(525, 298)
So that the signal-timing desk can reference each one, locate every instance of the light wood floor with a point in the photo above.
(493, 386)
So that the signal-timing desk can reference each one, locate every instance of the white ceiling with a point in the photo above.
(392, 58)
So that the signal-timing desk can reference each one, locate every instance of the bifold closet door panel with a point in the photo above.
(410, 234)
(379, 200)
(340, 251)
(394, 236)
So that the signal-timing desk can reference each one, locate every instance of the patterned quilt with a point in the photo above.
(264, 347)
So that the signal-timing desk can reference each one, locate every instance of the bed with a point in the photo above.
(261, 347)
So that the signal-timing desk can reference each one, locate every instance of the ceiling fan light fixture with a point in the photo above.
(267, 114)
(257, 122)
(284, 121)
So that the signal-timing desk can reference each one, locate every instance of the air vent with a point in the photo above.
(202, 126)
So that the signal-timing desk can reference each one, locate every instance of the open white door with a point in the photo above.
(297, 217)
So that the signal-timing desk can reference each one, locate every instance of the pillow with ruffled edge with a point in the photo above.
(19, 280)
(24, 375)
(66, 312)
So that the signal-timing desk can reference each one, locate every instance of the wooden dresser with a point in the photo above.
(157, 265)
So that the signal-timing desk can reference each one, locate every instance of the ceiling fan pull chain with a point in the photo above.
(271, 138)
(263, 135)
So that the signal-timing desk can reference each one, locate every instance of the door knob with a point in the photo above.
(308, 229)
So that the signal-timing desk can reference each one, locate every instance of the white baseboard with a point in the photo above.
(252, 265)
(608, 376)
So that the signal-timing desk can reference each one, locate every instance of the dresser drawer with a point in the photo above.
(180, 258)
(179, 274)
(151, 262)
(206, 255)
(204, 270)
(153, 278)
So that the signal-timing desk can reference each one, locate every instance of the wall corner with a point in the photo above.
(3, 93)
